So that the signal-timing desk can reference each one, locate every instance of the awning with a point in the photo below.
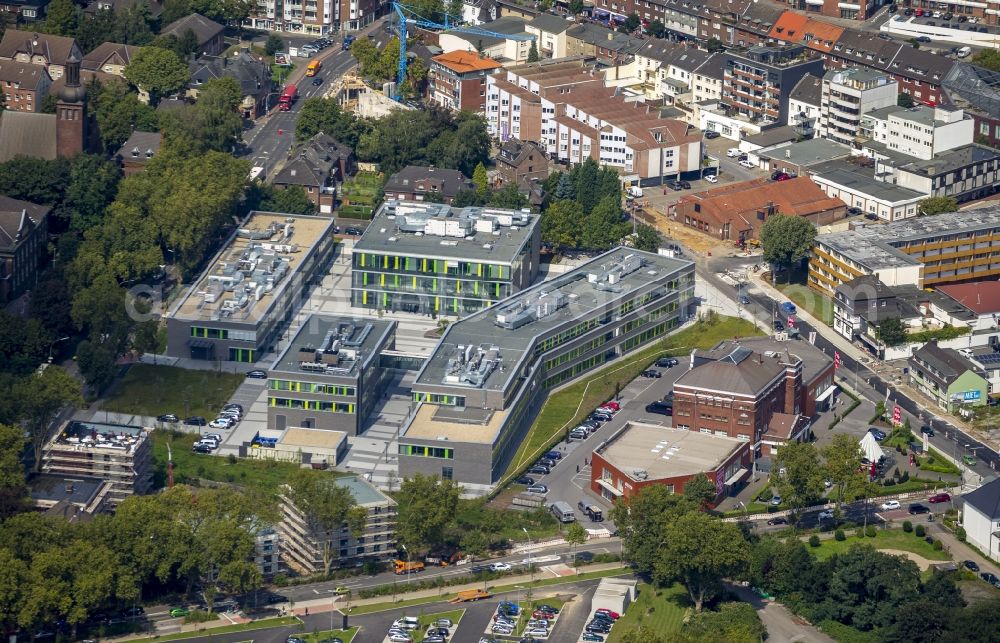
(201, 343)
(607, 485)
(738, 476)
(827, 393)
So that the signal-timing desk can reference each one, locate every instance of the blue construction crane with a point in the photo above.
(408, 14)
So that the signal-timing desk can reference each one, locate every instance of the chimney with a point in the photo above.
(611, 35)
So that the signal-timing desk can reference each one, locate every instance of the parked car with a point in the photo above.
(744, 300)
(826, 514)
(528, 480)
(733, 152)
(878, 434)
(257, 374)
(667, 362)
(547, 608)
(970, 565)
(221, 423)
(537, 488)
(710, 134)
(969, 460)
(747, 164)
(166, 417)
(939, 497)
(917, 508)
(889, 505)
(576, 434)
(653, 373)
(990, 578)
(545, 462)
(354, 231)
(614, 406)
(591, 636)
(780, 176)
(603, 610)
(195, 420)
(233, 405)
(777, 521)
(778, 326)
(500, 567)
(539, 614)
(444, 622)
(927, 430)
(923, 39)
(711, 178)
(183, 611)
(661, 408)
(775, 501)
(539, 469)
(554, 455)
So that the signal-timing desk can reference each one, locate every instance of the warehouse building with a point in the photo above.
(434, 259)
(480, 390)
(240, 305)
(329, 376)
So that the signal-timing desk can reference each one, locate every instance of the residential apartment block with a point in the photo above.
(458, 80)
(329, 376)
(965, 173)
(757, 81)
(251, 289)
(118, 453)
(314, 18)
(847, 95)
(477, 394)
(677, 73)
(550, 34)
(981, 516)
(565, 106)
(925, 251)
(24, 86)
(433, 259)
(804, 105)
(947, 377)
(920, 132)
(51, 52)
(303, 542)
(510, 47)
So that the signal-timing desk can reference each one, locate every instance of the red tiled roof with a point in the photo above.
(981, 297)
(463, 62)
(794, 197)
(815, 34)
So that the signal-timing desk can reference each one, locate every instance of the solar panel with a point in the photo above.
(988, 358)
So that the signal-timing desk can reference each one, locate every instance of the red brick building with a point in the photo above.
(458, 80)
(641, 455)
(24, 86)
(754, 389)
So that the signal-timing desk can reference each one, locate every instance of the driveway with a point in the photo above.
(782, 626)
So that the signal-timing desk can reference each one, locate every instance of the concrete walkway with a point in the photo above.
(959, 550)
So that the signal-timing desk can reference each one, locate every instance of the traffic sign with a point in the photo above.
(836, 359)
(897, 415)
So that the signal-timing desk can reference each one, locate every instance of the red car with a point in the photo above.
(939, 497)
(614, 406)
(918, 12)
(548, 616)
(614, 615)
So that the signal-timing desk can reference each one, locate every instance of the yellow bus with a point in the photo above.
(313, 68)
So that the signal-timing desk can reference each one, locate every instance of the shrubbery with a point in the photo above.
(907, 526)
(919, 531)
(814, 541)
(839, 535)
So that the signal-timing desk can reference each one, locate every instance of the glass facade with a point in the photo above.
(324, 406)
(311, 387)
(426, 452)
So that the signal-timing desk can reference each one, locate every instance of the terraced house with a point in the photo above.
(433, 259)
(477, 394)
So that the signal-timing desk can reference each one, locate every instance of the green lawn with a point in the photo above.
(154, 390)
(359, 195)
(937, 463)
(344, 635)
(227, 629)
(427, 619)
(188, 466)
(817, 305)
(571, 404)
(661, 611)
(885, 539)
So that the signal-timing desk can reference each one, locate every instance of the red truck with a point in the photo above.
(288, 97)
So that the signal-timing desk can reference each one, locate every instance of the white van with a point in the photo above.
(964, 52)
(407, 622)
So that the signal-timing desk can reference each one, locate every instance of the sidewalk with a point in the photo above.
(959, 550)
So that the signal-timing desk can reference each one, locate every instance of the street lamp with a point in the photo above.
(61, 339)
(407, 562)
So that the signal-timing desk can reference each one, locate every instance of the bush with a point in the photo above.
(919, 531)
(960, 534)
(814, 541)
(839, 535)
(905, 477)
(889, 483)
(938, 545)
(870, 531)
(907, 526)
(859, 533)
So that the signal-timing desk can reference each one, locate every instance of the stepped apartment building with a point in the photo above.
(480, 390)
(434, 259)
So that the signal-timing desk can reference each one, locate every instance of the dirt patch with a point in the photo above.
(921, 562)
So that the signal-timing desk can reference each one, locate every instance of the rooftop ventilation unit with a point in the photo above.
(609, 275)
(529, 309)
(472, 365)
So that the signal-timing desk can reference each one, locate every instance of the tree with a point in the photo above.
(426, 505)
(62, 18)
(733, 623)
(40, 398)
(786, 240)
(561, 224)
(937, 205)
(642, 520)
(842, 463)
(118, 112)
(700, 490)
(292, 199)
(802, 479)
(631, 24)
(575, 535)
(24, 344)
(904, 100)
(157, 71)
(136, 20)
(480, 178)
(565, 188)
(13, 586)
(325, 506)
(416, 75)
(508, 197)
(891, 332)
(34, 179)
(714, 45)
(603, 227)
(646, 238)
(988, 59)
(93, 183)
(274, 44)
(474, 542)
(699, 551)
(585, 179)
(533, 53)
(642, 634)
(187, 44)
(100, 27)
(656, 28)
(575, 7)
(13, 490)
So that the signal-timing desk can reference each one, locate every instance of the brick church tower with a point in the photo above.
(71, 112)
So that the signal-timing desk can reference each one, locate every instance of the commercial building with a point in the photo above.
(847, 95)
(565, 107)
(433, 259)
(303, 542)
(480, 390)
(981, 518)
(643, 455)
(965, 173)
(24, 85)
(857, 187)
(757, 82)
(329, 377)
(925, 251)
(920, 132)
(947, 377)
(118, 453)
(738, 211)
(746, 391)
(416, 182)
(312, 19)
(458, 80)
(251, 289)
(317, 448)
(23, 237)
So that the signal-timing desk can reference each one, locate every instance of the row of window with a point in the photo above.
(551, 342)
(311, 405)
(311, 387)
(434, 266)
(426, 452)
(223, 333)
(576, 352)
(404, 283)
(444, 400)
